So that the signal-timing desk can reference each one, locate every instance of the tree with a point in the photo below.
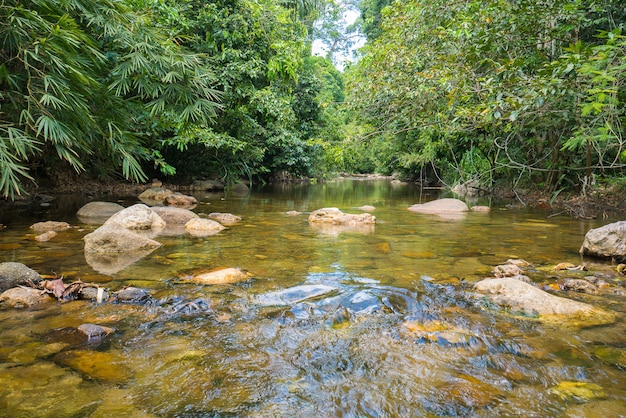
(487, 89)
(86, 81)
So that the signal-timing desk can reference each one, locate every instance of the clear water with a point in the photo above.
(423, 345)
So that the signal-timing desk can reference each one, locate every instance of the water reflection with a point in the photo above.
(382, 323)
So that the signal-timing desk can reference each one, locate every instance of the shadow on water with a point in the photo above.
(345, 324)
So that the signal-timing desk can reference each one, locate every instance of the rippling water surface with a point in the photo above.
(395, 329)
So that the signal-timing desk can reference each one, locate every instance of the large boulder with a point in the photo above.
(608, 241)
(123, 239)
(97, 212)
(530, 300)
(138, 216)
(440, 206)
(109, 239)
(15, 274)
(334, 216)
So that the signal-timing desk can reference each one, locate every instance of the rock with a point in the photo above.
(49, 226)
(173, 215)
(225, 218)
(578, 285)
(334, 216)
(97, 212)
(14, 274)
(123, 239)
(481, 209)
(207, 185)
(578, 391)
(92, 331)
(221, 276)
(526, 298)
(507, 270)
(155, 195)
(608, 241)
(138, 216)
(296, 213)
(238, 189)
(46, 236)
(103, 366)
(132, 295)
(294, 294)
(367, 208)
(203, 227)
(94, 294)
(440, 206)
(109, 239)
(24, 297)
(180, 200)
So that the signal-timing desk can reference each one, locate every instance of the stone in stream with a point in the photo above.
(93, 331)
(294, 294)
(97, 212)
(221, 276)
(49, 226)
(608, 241)
(528, 299)
(440, 206)
(14, 274)
(132, 295)
(225, 218)
(24, 297)
(334, 216)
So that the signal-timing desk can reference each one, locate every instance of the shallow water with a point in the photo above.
(399, 332)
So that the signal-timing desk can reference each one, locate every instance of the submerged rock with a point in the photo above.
(294, 295)
(103, 366)
(221, 276)
(111, 240)
(46, 236)
(526, 298)
(608, 241)
(578, 391)
(14, 274)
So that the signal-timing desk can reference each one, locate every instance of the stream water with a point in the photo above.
(395, 331)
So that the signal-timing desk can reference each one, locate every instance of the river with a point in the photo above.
(406, 335)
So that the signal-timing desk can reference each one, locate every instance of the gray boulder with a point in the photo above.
(608, 241)
(97, 212)
(15, 274)
(530, 300)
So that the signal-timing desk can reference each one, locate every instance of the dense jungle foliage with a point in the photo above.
(513, 91)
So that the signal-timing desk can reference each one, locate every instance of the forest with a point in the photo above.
(512, 93)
